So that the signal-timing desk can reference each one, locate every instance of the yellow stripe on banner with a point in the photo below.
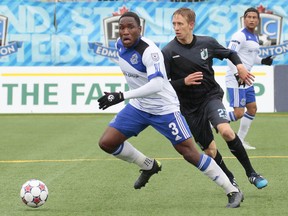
(60, 74)
(259, 73)
(254, 73)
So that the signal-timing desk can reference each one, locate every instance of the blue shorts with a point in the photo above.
(131, 121)
(239, 97)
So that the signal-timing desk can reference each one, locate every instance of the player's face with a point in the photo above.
(182, 28)
(251, 21)
(129, 31)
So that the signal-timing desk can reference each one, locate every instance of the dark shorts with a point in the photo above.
(199, 122)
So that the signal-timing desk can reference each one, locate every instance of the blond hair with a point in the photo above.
(187, 13)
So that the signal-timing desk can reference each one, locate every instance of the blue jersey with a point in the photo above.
(141, 63)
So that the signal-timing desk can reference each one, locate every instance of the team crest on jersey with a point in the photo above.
(134, 59)
(111, 33)
(269, 31)
(155, 57)
(204, 54)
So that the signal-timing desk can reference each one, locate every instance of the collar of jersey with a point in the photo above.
(187, 45)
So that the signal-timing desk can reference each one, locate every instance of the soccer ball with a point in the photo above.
(264, 40)
(34, 193)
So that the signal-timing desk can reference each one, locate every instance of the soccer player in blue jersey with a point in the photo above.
(153, 102)
(246, 43)
(189, 60)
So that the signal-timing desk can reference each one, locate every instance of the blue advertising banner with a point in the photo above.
(83, 34)
(3, 29)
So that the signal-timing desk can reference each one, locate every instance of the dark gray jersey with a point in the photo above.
(182, 60)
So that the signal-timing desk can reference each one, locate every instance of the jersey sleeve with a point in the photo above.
(236, 41)
(154, 62)
(235, 44)
(152, 87)
(219, 51)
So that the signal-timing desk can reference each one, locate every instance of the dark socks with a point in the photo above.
(240, 153)
(218, 159)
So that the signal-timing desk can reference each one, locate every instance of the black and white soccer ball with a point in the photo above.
(34, 193)
(264, 40)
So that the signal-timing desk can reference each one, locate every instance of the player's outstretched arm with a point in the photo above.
(153, 86)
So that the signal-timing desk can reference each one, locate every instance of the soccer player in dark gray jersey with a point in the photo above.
(188, 61)
(186, 58)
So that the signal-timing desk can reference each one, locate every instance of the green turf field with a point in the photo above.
(63, 152)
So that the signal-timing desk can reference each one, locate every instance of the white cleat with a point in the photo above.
(247, 146)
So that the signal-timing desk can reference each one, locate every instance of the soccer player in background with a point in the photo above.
(188, 60)
(246, 43)
(154, 102)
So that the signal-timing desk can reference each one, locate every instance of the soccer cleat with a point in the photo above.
(146, 175)
(258, 180)
(247, 146)
(234, 199)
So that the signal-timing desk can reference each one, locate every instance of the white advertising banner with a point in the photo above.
(57, 89)
(77, 89)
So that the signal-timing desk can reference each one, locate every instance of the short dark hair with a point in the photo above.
(131, 14)
(251, 9)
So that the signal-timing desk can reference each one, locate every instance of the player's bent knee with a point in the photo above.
(228, 134)
(188, 151)
(104, 145)
(211, 152)
(239, 115)
(239, 112)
